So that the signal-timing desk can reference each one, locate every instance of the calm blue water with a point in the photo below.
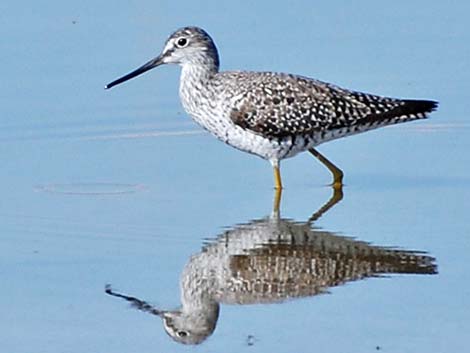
(121, 187)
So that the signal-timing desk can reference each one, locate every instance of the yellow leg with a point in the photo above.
(277, 178)
(277, 202)
(337, 173)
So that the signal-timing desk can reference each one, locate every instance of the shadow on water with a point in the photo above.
(271, 260)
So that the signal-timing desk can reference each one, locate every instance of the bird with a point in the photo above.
(272, 260)
(269, 114)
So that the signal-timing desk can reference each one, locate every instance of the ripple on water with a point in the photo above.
(91, 188)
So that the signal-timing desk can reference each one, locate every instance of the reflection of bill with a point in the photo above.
(268, 261)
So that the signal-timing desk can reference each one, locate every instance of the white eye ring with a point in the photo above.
(182, 42)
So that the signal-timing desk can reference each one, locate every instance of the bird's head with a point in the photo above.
(186, 46)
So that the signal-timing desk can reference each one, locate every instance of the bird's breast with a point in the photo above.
(212, 110)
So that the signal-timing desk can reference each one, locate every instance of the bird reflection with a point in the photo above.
(271, 260)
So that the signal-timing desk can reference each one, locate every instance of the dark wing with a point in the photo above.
(281, 105)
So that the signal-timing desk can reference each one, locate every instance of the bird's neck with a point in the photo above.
(199, 73)
(195, 84)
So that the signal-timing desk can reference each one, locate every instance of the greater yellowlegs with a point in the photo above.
(272, 115)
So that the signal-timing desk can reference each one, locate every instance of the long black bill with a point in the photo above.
(144, 68)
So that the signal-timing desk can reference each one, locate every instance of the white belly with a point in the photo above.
(247, 141)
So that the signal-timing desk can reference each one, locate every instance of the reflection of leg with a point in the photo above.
(276, 203)
(335, 198)
(136, 303)
(337, 173)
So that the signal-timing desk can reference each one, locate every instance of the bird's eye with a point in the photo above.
(182, 333)
(182, 42)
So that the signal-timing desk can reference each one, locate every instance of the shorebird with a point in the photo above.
(272, 115)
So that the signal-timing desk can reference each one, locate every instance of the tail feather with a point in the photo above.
(410, 110)
(413, 108)
(406, 110)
